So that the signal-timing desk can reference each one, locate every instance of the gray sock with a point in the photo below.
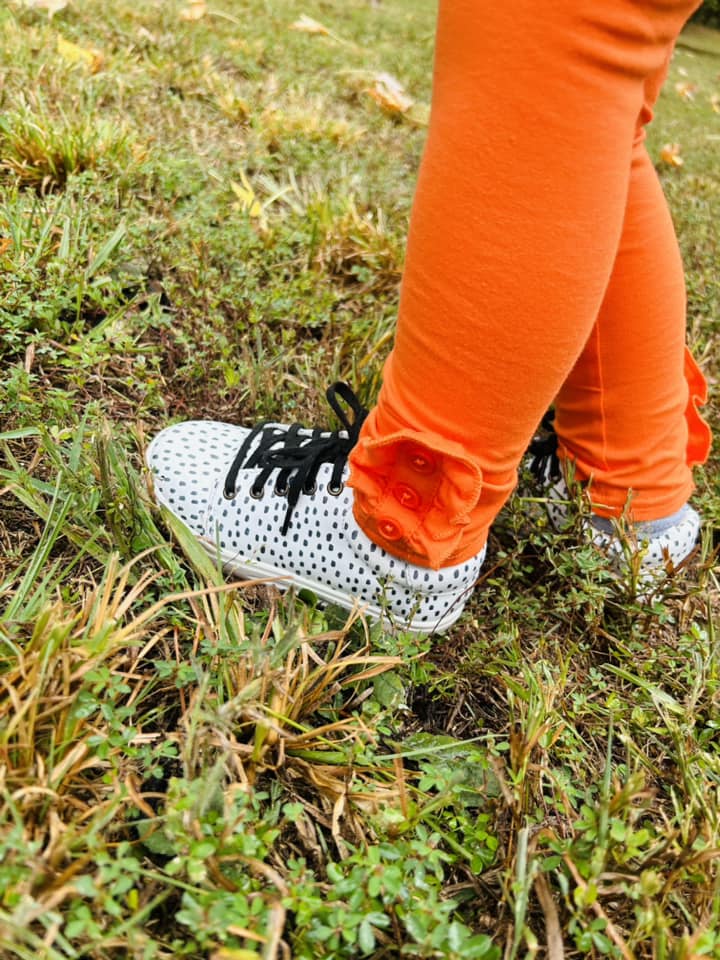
(647, 528)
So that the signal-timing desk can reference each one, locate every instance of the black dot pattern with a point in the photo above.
(657, 541)
(657, 547)
(324, 550)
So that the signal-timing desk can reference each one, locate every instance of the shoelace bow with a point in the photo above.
(297, 453)
(545, 463)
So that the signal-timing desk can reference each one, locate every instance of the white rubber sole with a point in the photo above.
(258, 570)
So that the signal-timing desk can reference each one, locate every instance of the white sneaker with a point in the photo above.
(271, 502)
(650, 548)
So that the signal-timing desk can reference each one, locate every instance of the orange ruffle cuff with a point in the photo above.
(415, 494)
(655, 504)
(699, 433)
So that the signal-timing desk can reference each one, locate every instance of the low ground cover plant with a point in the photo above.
(202, 213)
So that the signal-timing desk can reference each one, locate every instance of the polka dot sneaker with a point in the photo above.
(651, 548)
(271, 502)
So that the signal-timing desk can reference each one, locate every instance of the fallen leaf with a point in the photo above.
(52, 6)
(670, 155)
(74, 53)
(5, 244)
(195, 10)
(686, 90)
(236, 953)
(419, 114)
(248, 201)
(305, 24)
(144, 34)
(390, 94)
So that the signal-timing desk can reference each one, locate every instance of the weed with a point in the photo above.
(41, 150)
(207, 219)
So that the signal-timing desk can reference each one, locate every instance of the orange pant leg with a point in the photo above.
(626, 415)
(517, 221)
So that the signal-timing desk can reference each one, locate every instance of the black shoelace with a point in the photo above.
(545, 463)
(298, 453)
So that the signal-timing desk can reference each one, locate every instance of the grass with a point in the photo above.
(206, 218)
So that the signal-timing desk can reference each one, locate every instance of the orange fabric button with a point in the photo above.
(389, 529)
(406, 496)
(422, 462)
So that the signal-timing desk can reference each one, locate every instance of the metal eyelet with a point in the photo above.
(280, 491)
(309, 491)
(257, 494)
(335, 491)
(229, 496)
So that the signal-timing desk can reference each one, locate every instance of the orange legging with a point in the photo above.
(542, 266)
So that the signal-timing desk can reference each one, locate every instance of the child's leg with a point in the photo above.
(515, 230)
(626, 415)
(513, 252)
